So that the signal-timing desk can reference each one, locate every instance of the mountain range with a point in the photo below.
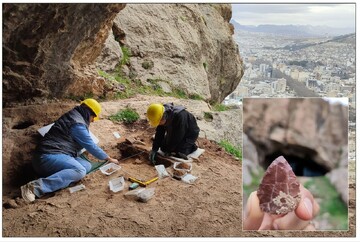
(294, 30)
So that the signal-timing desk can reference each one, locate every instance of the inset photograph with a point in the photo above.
(295, 164)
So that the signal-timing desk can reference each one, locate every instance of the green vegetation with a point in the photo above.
(183, 18)
(195, 97)
(134, 86)
(235, 151)
(179, 93)
(208, 117)
(130, 86)
(205, 65)
(126, 56)
(219, 107)
(127, 116)
(147, 65)
(332, 208)
(105, 75)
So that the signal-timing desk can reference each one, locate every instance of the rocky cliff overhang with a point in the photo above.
(50, 50)
(47, 48)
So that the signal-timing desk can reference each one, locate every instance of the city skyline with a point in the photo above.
(320, 14)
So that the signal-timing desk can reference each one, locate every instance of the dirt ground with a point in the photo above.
(211, 207)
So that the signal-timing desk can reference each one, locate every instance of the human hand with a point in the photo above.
(300, 219)
(113, 160)
(152, 156)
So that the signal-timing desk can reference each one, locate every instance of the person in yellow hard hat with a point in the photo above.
(57, 160)
(176, 130)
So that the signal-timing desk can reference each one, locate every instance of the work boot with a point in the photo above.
(27, 192)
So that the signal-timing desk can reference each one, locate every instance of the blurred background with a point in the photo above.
(312, 135)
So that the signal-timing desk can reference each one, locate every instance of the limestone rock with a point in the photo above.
(225, 125)
(111, 54)
(190, 45)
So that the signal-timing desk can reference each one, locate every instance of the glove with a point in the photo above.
(152, 156)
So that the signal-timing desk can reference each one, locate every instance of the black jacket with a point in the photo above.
(180, 129)
(58, 140)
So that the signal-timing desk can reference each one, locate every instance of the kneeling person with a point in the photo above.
(57, 160)
(176, 130)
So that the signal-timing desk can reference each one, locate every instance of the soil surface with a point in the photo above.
(209, 207)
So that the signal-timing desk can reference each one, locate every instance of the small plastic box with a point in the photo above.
(117, 184)
(110, 168)
(180, 169)
(76, 188)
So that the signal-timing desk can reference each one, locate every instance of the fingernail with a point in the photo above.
(308, 206)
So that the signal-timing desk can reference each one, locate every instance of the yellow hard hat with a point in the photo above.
(154, 113)
(94, 106)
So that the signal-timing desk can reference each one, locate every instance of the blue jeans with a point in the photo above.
(58, 170)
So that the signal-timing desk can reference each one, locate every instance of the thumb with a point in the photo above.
(308, 207)
(253, 214)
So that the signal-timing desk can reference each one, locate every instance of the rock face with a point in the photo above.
(188, 45)
(49, 48)
(225, 125)
(309, 128)
(279, 191)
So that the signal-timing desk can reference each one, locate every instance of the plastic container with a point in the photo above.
(76, 188)
(161, 171)
(117, 184)
(179, 174)
(146, 194)
(177, 164)
(110, 168)
(134, 194)
(141, 195)
(188, 178)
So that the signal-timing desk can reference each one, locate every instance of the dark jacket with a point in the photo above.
(58, 140)
(179, 133)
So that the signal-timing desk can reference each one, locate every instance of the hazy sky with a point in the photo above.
(332, 15)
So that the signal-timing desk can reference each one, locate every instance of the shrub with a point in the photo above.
(231, 149)
(220, 107)
(147, 64)
(195, 96)
(127, 115)
(126, 56)
(208, 116)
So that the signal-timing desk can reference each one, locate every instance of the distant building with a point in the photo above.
(278, 86)
(303, 76)
(294, 74)
(311, 83)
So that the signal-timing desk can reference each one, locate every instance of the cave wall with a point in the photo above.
(48, 48)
